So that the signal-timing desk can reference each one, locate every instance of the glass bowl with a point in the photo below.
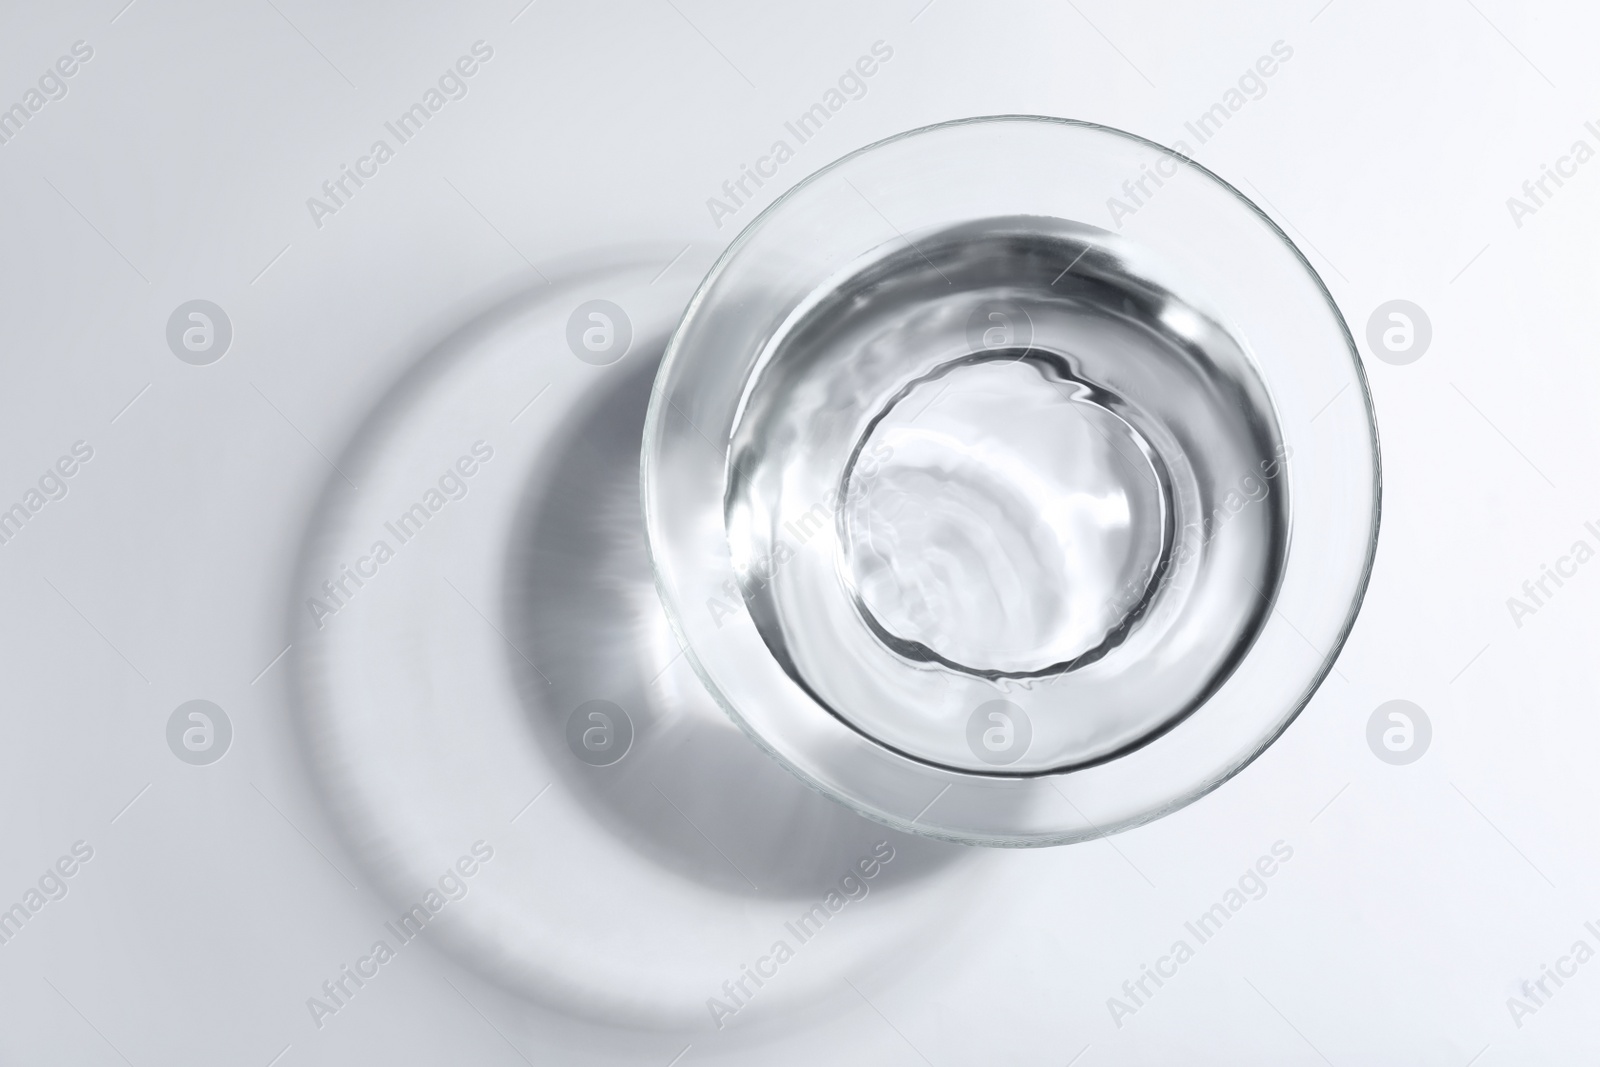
(1012, 481)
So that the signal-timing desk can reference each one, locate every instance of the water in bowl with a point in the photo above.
(997, 463)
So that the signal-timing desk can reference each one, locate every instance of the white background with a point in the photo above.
(178, 166)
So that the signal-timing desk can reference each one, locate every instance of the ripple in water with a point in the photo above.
(1000, 463)
(1012, 511)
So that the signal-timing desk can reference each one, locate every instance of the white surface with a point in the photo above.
(1414, 905)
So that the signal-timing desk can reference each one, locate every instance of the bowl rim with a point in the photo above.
(655, 539)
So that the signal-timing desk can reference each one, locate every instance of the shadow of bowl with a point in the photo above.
(582, 593)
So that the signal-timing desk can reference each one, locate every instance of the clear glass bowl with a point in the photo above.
(1012, 481)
